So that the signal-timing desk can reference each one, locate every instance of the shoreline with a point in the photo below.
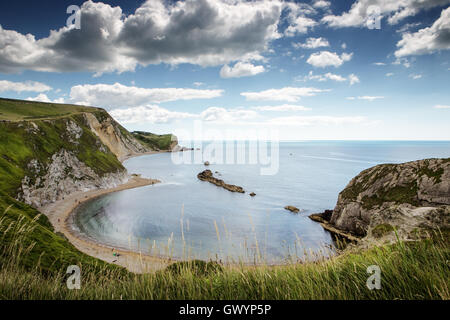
(60, 213)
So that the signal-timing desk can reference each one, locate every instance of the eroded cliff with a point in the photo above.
(43, 160)
(407, 198)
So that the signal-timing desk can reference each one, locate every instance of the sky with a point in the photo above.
(299, 70)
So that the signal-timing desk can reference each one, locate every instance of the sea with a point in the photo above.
(186, 218)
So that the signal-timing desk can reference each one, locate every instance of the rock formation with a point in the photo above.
(83, 154)
(208, 176)
(292, 209)
(407, 197)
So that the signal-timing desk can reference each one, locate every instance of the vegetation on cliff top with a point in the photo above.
(405, 193)
(16, 110)
(154, 141)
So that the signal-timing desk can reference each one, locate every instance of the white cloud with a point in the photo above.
(415, 76)
(240, 69)
(316, 120)
(322, 4)
(149, 113)
(352, 78)
(440, 106)
(217, 114)
(203, 32)
(300, 25)
(394, 10)
(368, 98)
(42, 97)
(427, 40)
(282, 108)
(290, 94)
(379, 63)
(118, 95)
(313, 43)
(389, 74)
(326, 58)
(198, 84)
(403, 61)
(30, 86)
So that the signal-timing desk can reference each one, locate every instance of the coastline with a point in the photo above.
(60, 212)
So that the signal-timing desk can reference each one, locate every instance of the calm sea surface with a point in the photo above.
(184, 217)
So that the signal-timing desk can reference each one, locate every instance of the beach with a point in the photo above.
(59, 214)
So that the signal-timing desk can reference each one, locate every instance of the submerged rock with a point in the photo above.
(292, 209)
(208, 176)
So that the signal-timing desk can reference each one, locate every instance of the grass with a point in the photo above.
(24, 229)
(154, 141)
(16, 110)
(415, 270)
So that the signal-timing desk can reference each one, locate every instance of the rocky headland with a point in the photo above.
(392, 201)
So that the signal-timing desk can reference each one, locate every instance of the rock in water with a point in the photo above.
(252, 194)
(406, 197)
(292, 209)
(206, 163)
(208, 176)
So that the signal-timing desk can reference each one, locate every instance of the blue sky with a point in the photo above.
(309, 69)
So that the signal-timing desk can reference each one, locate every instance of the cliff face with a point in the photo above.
(116, 138)
(407, 197)
(49, 159)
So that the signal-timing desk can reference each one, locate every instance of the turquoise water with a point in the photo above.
(184, 217)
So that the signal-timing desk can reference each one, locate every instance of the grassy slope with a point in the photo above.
(17, 148)
(408, 271)
(15, 110)
(154, 141)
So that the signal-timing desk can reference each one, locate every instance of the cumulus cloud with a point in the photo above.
(321, 4)
(289, 94)
(312, 43)
(119, 95)
(241, 69)
(394, 10)
(352, 78)
(42, 97)
(427, 40)
(326, 58)
(300, 25)
(282, 108)
(415, 76)
(440, 106)
(218, 114)
(30, 86)
(368, 98)
(316, 120)
(203, 32)
(149, 113)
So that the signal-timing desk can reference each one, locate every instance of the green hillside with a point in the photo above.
(15, 110)
(154, 141)
(20, 142)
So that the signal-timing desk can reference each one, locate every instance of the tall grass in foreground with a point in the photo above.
(415, 270)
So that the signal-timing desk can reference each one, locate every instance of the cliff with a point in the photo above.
(408, 198)
(48, 151)
(163, 142)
